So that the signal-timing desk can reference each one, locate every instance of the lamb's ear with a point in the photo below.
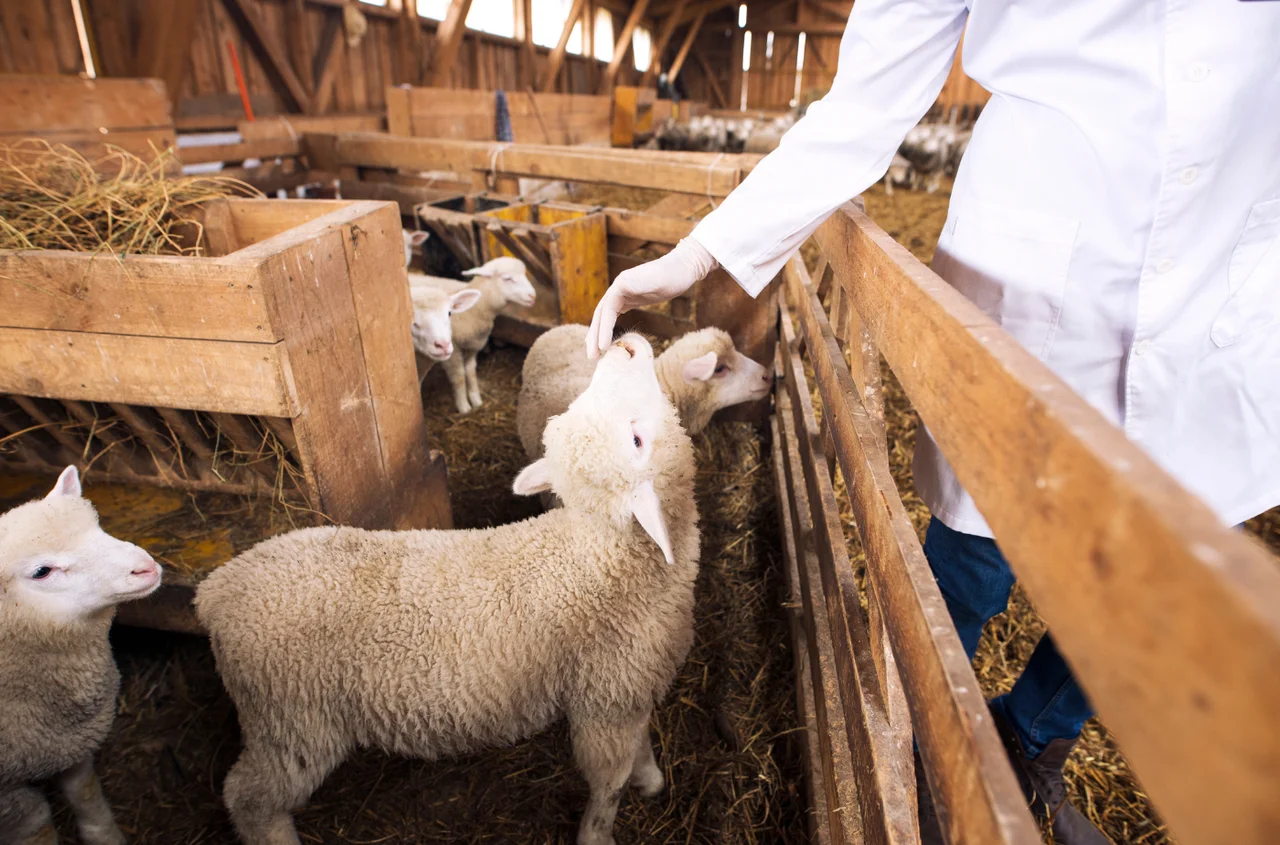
(533, 479)
(68, 484)
(482, 270)
(419, 238)
(648, 512)
(462, 300)
(700, 369)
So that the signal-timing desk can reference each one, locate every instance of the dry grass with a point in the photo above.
(52, 197)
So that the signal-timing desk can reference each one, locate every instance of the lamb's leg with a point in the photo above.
(25, 818)
(473, 383)
(605, 751)
(646, 777)
(93, 814)
(455, 369)
(265, 785)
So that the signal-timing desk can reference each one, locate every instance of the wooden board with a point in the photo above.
(579, 260)
(1170, 621)
(426, 112)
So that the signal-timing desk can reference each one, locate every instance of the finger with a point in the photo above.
(593, 332)
(608, 314)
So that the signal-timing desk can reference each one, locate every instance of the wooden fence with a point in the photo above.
(1171, 621)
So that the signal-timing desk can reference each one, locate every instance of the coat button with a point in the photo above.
(1142, 347)
(1189, 175)
(1198, 72)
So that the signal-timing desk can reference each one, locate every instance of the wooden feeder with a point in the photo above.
(288, 346)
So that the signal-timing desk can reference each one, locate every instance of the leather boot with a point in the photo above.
(1042, 783)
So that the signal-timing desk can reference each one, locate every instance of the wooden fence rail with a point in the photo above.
(1170, 620)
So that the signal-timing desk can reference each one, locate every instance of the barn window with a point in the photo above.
(795, 101)
(641, 47)
(495, 16)
(768, 48)
(434, 9)
(548, 22)
(603, 44)
(82, 33)
(746, 66)
(742, 16)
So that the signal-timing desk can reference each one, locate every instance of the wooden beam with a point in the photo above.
(660, 46)
(448, 40)
(410, 26)
(164, 43)
(759, 30)
(556, 59)
(623, 44)
(705, 9)
(301, 49)
(716, 90)
(326, 67)
(527, 70)
(737, 81)
(827, 8)
(272, 57)
(684, 48)
(1170, 620)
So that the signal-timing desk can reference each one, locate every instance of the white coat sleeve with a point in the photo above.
(894, 58)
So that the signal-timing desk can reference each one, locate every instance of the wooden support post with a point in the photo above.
(411, 43)
(527, 69)
(660, 46)
(684, 48)
(164, 44)
(556, 59)
(272, 57)
(448, 40)
(623, 45)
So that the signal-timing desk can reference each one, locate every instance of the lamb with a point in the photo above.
(412, 240)
(432, 326)
(434, 643)
(700, 373)
(498, 281)
(61, 577)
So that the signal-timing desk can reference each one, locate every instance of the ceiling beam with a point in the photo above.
(828, 8)
(448, 40)
(623, 44)
(792, 29)
(684, 48)
(268, 51)
(660, 46)
(556, 59)
(705, 9)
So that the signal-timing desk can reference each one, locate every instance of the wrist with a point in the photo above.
(695, 255)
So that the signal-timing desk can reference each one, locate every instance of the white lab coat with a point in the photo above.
(1117, 210)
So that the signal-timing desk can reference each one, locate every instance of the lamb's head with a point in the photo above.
(704, 372)
(432, 307)
(412, 240)
(511, 278)
(619, 450)
(58, 565)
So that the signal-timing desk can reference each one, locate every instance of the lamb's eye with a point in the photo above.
(41, 573)
(635, 438)
(721, 368)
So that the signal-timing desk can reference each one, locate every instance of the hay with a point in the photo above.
(725, 735)
(52, 197)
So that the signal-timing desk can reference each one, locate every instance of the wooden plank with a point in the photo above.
(579, 259)
(145, 295)
(271, 54)
(828, 8)
(1105, 542)
(833, 785)
(966, 764)
(327, 57)
(660, 44)
(448, 40)
(207, 375)
(556, 59)
(301, 47)
(885, 785)
(273, 148)
(296, 125)
(164, 42)
(622, 44)
(36, 105)
(647, 228)
(689, 36)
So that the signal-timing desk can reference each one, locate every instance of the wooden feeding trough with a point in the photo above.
(564, 248)
(277, 365)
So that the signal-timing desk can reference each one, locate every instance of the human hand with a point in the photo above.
(652, 282)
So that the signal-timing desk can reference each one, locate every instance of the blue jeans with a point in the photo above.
(1045, 703)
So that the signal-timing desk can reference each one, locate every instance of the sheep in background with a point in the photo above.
(700, 373)
(498, 281)
(61, 577)
(898, 175)
(413, 240)
(435, 643)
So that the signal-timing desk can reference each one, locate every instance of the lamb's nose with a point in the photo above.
(443, 347)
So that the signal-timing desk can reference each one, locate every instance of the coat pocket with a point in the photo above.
(1011, 263)
(1253, 277)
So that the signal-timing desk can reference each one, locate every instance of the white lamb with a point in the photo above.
(61, 577)
(433, 320)
(498, 281)
(412, 241)
(700, 373)
(434, 643)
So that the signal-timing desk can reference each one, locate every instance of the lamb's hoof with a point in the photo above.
(648, 784)
(102, 836)
(463, 407)
(475, 400)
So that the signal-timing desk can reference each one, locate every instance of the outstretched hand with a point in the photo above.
(652, 282)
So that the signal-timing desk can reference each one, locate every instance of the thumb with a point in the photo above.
(600, 334)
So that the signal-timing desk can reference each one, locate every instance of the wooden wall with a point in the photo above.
(38, 36)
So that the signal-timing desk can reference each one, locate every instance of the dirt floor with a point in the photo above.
(725, 735)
